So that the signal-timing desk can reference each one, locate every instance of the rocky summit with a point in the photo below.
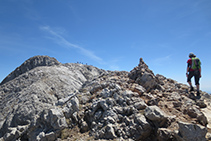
(45, 100)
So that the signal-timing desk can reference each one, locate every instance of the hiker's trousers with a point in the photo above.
(196, 75)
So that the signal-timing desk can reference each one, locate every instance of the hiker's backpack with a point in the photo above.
(196, 64)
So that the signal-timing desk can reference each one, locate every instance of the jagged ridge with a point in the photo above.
(46, 102)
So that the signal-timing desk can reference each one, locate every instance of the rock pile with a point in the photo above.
(49, 102)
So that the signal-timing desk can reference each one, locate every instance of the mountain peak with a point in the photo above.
(30, 64)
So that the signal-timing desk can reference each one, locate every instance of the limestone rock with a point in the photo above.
(147, 80)
(84, 127)
(56, 119)
(143, 128)
(71, 107)
(190, 131)
(11, 135)
(155, 114)
(140, 105)
(201, 104)
(164, 134)
(109, 132)
(194, 112)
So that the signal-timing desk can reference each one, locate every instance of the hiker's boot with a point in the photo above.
(198, 93)
(191, 89)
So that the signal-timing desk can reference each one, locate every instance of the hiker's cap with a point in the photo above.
(192, 54)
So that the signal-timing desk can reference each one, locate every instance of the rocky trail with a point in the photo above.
(45, 100)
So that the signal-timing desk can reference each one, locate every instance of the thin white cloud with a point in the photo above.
(62, 41)
(114, 63)
(163, 60)
(114, 67)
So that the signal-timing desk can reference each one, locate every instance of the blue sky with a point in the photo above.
(108, 34)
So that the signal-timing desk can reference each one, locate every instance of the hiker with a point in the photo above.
(193, 69)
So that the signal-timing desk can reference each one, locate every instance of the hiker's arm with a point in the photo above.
(188, 67)
(200, 72)
(200, 68)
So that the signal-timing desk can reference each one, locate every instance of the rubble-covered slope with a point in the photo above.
(51, 102)
(29, 95)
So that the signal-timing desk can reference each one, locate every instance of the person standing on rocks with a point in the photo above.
(193, 69)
